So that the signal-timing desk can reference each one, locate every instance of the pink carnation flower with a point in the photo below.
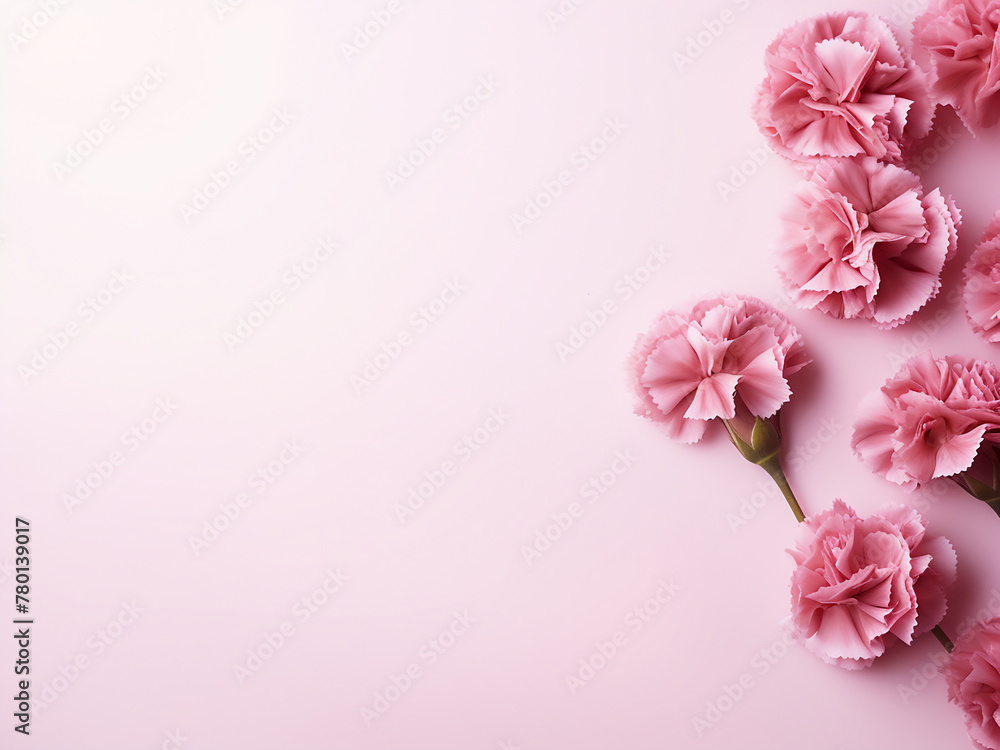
(960, 37)
(690, 369)
(860, 584)
(929, 420)
(982, 284)
(972, 674)
(861, 239)
(840, 84)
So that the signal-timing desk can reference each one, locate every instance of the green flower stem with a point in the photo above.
(943, 638)
(761, 447)
(772, 466)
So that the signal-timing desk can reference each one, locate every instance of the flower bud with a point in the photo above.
(756, 438)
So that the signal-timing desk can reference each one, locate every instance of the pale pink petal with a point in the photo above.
(714, 397)
(959, 452)
(673, 372)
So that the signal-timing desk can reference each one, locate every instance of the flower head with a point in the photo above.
(861, 584)
(972, 674)
(728, 352)
(861, 239)
(929, 420)
(840, 84)
(982, 284)
(960, 38)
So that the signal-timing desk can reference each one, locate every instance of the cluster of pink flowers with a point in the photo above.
(857, 582)
(847, 103)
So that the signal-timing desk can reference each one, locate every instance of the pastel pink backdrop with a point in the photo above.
(683, 131)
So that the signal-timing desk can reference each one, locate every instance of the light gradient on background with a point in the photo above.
(681, 200)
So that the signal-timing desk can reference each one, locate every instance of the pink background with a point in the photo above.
(667, 516)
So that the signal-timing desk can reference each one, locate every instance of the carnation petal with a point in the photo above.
(673, 371)
(903, 216)
(841, 638)
(762, 386)
(836, 276)
(845, 65)
(714, 397)
(902, 291)
(958, 453)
